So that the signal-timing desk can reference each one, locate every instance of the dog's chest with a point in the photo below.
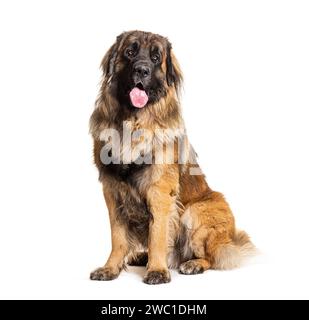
(126, 173)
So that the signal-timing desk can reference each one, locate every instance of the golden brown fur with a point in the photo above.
(160, 210)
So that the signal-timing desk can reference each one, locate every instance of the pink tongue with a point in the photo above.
(138, 97)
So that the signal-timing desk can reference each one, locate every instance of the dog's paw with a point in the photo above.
(104, 274)
(191, 267)
(157, 277)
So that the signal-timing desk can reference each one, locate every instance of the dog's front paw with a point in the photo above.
(104, 274)
(157, 277)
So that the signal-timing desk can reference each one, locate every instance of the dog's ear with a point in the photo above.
(108, 62)
(173, 72)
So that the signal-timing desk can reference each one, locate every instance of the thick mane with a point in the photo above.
(108, 113)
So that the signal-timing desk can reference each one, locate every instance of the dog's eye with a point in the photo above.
(130, 53)
(155, 58)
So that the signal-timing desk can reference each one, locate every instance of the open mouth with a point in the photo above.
(138, 96)
(140, 86)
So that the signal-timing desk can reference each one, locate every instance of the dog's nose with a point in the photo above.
(142, 70)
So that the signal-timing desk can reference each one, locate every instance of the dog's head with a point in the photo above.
(140, 69)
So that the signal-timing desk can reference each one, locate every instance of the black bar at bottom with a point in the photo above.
(151, 309)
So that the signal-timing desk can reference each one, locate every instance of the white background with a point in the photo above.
(245, 103)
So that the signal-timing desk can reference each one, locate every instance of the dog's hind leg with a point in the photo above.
(215, 242)
(194, 266)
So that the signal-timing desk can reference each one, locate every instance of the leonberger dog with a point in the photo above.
(162, 212)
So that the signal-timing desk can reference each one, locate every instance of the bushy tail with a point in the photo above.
(232, 255)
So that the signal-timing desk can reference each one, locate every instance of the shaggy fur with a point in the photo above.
(160, 214)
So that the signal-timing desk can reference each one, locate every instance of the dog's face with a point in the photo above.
(141, 68)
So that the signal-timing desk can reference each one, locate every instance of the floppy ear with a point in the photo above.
(108, 62)
(173, 72)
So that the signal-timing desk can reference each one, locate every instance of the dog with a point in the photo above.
(162, 212)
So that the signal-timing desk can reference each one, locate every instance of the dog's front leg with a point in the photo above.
(161, 202)
(115, 262)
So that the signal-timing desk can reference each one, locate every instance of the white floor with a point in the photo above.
(261, 280)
